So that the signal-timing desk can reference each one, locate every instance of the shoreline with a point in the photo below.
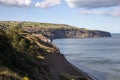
(87, 75)
(80, 71)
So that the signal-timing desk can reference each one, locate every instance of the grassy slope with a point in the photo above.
(37, 25)
(18, 60)
(24, 56)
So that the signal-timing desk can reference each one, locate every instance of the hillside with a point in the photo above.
(26, 24)
(54, 31)
(24, 56)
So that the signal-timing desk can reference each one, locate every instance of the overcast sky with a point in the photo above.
(91, 14)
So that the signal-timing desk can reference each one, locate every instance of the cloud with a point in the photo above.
(86, 12)
(47, 3)
(17, 3)
(114, 13)
(91, 4)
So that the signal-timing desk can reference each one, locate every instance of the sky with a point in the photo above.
(91, 14)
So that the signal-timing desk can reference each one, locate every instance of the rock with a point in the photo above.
(59, 33)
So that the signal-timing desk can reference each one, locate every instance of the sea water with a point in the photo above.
(99, 57)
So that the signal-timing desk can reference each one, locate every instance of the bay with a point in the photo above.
(99, 57)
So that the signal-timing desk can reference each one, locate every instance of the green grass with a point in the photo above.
(7, 74)
(37, 25)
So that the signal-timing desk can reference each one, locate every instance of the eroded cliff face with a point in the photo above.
(70, 33)
(59, 33)
(59, 66)
(24, 55)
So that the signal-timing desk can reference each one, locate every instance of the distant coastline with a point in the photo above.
(54, 31)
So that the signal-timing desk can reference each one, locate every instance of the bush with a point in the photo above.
(25, 78)
(14, 36)
(23, 43)
(2, 32)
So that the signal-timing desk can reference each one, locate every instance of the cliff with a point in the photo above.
(27, 54)
(74, 33)
(24, 56)
(54, 31)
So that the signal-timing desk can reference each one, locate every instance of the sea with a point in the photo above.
(98, 57)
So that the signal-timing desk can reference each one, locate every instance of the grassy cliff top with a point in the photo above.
(27, 24)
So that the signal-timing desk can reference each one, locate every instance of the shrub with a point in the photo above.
(2, 32)
(25, 78)
(23, 43)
